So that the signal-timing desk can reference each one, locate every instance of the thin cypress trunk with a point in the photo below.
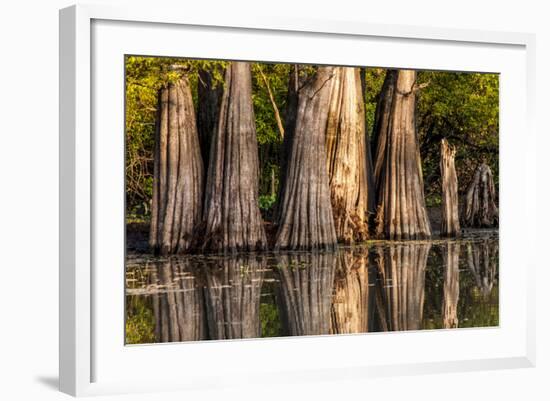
(231, 214)
(178, 172)
(451, 285)
(480, 209)
(401, 210)
(347, 156)
(305, 218)
(450, 225)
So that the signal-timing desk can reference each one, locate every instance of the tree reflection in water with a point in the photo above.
(400, 286)
(306, 283)
(382, 287)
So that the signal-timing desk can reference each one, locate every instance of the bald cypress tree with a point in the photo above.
(401, 209)
(232, 219)
(347, 148)
(305, 219)
(178, 172)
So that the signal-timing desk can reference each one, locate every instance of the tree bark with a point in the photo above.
(400, 288)
(178, 172)
(450, 225)
(178, 305)
(451, 287)
(347, 156)
(305, 219)
(231, 214)
(209, 94)
(401, 210)
(480, 208)
(306, 286)
(232, 293)
(352, 304)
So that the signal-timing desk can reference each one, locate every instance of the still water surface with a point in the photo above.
(377, 287)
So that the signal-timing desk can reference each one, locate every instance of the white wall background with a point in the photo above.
(29, 199)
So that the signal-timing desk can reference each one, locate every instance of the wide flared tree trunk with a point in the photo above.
(305, 219)
(450, 224)
(347, 149)
(451, 287)
(209, 95)
(401, 210)
(232, 294)
(178, 305)
(400, 287)
(231, 214)
(482, 260)
(480, 209)
(305, 291)
(178, 172)
(352, 303)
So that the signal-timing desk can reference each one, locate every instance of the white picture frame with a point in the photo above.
(92, 39)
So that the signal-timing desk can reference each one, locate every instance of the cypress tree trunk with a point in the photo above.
(232, 217)
(178, 305)
(306, 286)
(178, 172)
(401, 210)
(400, 298)
(381, 124)
(209, 95)
(352, 306)
(305, 218)
(480, 208)
(347, 156)
(451, 287)
(232, 293)
(450, 225)
(482, 261)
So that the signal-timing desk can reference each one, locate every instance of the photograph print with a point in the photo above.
(279, 199)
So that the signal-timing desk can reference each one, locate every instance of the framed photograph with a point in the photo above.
(260, 199)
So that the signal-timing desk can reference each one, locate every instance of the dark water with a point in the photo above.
(370, 288)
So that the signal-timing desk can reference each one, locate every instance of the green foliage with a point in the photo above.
(140, 322)
(266, 202)
(462, 107)
(270, 320)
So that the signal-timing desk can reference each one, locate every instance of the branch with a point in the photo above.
(272, 99)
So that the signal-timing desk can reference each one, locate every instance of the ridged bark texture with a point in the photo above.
(305, 219)
(231, 214)
(401, 210)
(347, 165)
(178, 172)
(480, 209)
(307, 282)
(232, 294)
(352, 306)
(400, 288)
(178, 305)
(450, 224)
(451, 285)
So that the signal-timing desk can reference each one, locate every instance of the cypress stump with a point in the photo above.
(480, 209)
(450, 225)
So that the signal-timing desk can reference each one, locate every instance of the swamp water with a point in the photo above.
(379, 286)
